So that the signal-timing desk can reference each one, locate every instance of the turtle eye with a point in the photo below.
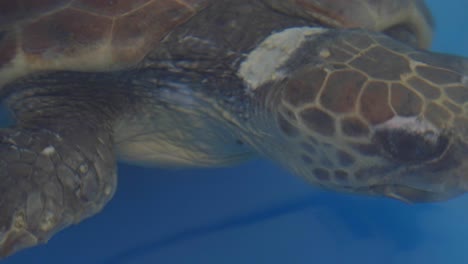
(412, 146)
(403, 33)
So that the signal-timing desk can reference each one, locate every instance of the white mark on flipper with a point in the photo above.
(83, 168)
(48, 221)
(48, 151)
(19, 220)
(263, 64)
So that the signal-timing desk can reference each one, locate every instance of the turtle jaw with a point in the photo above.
(359, 112)
(438, 180)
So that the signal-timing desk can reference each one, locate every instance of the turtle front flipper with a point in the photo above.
(57, 164)
(357, 111)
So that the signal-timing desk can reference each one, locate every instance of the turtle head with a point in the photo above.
(361, 112)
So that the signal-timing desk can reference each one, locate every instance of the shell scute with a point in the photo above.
(135, 33)
(65, 33)
(13, 11)
(112, 8)
(87, 35)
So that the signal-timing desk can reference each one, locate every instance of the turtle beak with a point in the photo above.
(442, 81)
(364, 113)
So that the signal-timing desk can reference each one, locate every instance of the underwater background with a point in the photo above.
(259, 213)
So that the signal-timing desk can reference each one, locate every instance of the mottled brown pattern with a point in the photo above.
(354, 127)
(374, 103)
(459, 93)
(341, 91)
(109, 8)
(304, 86)
(437, 75)
(404, 101)
(380, 63)
(425, 88)
(318, 121)
(65, 32)
(437, 115)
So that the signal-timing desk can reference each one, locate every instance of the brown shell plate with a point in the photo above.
(84, 34)
(93, 35)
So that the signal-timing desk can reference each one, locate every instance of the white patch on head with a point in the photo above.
(50, 150)
(263, 64)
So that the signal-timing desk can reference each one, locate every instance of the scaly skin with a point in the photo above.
(57, 165)
(335, 118)
(55, 183)
(360, 112)
(349, 110)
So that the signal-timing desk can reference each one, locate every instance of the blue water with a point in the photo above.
(259, 213)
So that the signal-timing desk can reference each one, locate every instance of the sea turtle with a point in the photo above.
(340, 92)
